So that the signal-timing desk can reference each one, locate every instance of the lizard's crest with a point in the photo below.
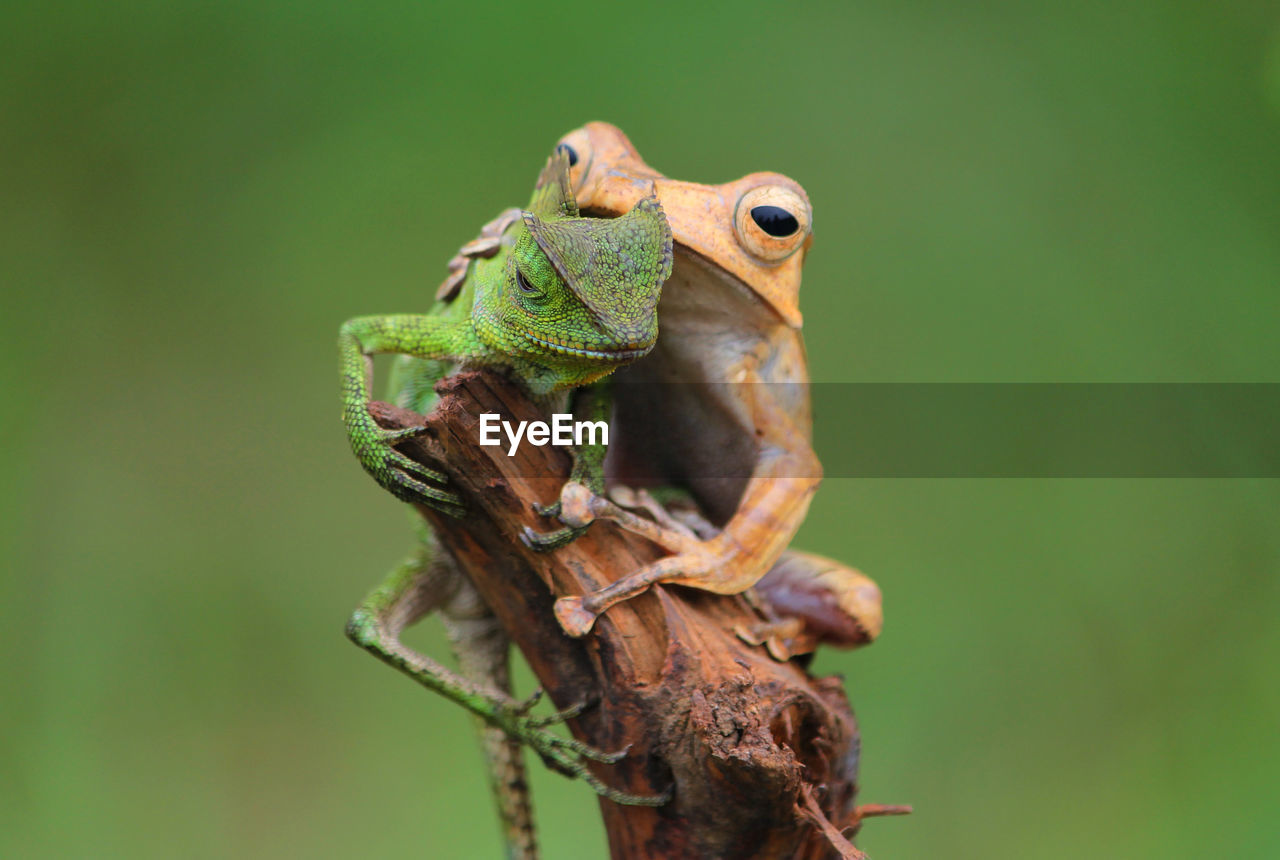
(575, 297)
(615, 266)
(553, 193)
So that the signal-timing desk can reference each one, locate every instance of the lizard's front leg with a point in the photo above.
(592, 403)
(407, 334)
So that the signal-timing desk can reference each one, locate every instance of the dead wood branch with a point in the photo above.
(738, 734)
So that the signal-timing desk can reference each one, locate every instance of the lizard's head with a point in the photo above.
(755, 230)
(579, 296)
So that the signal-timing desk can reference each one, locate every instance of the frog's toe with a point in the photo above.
(578, 505)
(574, 617)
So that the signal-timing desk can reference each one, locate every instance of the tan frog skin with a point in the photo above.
(728, 314)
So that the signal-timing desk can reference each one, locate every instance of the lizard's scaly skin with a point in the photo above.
(560, 301)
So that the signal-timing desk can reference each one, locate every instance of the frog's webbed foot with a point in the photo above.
(579, 506)
(780, 638)
(831, 602)
(685, 520)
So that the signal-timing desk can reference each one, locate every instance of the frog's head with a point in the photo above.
(578, 296)
(756, 229)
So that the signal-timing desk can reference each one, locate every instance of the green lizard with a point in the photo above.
(563, 302)
(560, 301)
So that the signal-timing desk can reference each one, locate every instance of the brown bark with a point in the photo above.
(738, 734)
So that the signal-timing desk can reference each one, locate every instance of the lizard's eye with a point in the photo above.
(577, 145)
(522, 283)
(772, 221)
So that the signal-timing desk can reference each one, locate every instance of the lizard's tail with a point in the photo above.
(505, 761)
(482, 650)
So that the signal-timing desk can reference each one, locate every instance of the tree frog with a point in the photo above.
(720, 406)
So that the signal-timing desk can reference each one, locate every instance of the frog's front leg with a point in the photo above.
(773, 504)
(416, 335)
(729, 563)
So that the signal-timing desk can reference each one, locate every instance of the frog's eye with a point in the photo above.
(577, 145)
(772, 221)
(569, 151)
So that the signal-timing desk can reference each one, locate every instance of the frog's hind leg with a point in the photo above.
(427, 582)
(809, 600)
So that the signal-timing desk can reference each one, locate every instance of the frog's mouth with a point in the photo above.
(626, 353)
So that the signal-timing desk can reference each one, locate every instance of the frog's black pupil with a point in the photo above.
(775, 220)
(569, 151)
(523, 283)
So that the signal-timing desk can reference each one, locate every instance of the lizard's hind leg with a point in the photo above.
(427, 582)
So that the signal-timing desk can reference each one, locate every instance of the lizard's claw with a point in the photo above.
(778, 637)
(569, 713)
(522, 708)
(526, 705)
(573, 508)
(407, 479)
(547, 541)
(551, 510)
(569, 756)
(401, 475)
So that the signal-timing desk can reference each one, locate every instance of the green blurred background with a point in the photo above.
(195, 195)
